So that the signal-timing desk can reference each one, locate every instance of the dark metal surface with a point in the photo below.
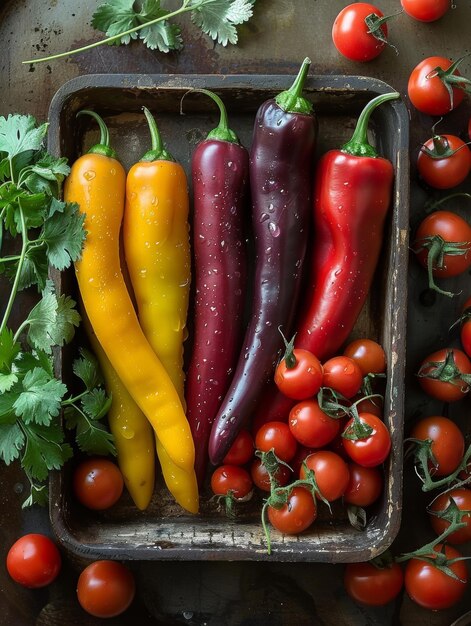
(280, 35)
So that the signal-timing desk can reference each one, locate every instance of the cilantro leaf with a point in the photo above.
(18, 133)
(162, 36)
(12, 440)
(219, 18)
(44, 450)
(96, 403)
(52, 320)
(41, 397)
(7, 400)
(114, 17)
(36, 358)
(9, 349)
(46, 175)
(39, 495)
(86, 368)
(33, 271)
(91, 435)
(64, 235)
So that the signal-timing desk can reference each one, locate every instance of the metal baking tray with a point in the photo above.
(164, 530)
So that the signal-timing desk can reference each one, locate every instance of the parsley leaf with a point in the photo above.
(41, 397)
(52, 320)
(219, 18)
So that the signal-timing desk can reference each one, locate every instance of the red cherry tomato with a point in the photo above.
(97, 483)
(105, 588)
(426, 90)
(231, 479)
(462, 499)
(368, 354)
(303, 379)
(343, 374)
(371, 405)
(452, 229)
(331, 473)
(311, 426)
(451, 388)
(33, 561)
(449, 170)
(465, 333)
(296, 515)
(373, 449)
(261, 478)
(433, 589)
(241, 450)
(372, 586)
(426, 10)
(350, 32)
(276, 436)
(364, 486)
(447, 442)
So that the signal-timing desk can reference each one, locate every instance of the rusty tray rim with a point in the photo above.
(342, 85)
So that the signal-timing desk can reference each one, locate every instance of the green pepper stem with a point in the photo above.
(222, 132)
(157, 151)
(291, 100)
(359, 144)
(103, 146)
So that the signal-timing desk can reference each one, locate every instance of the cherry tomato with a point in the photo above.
(451, 388)
(231, 479)
(302, 380)
(331, 473)
(368, 354)
(372, 586)
(431, 588)
(426, 90)
(426, 10)
(97, 483)
(462, 499)
(301, 454)
(241, 450)
(373, 449)
(452, 229)
(105, 588)
(371, 405)
(448, 171)
(296, 515)
(364, 486)
(261, 478)
(344, 375)
(34, 561)
(465, 333)
(350, 32)
(311, 426)
(447, 444)
(276, 436)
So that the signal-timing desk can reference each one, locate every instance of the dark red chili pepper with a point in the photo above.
(281, 157)
(352, 194)
(220, 167)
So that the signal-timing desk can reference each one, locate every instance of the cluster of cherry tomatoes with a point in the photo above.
(319, 453)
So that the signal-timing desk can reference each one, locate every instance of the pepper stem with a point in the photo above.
(292, 100)
(157, 151)
(103, 146)
(222, 132)
(359, 144)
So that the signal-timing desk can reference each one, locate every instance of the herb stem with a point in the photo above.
(187, 5)
(14, 289)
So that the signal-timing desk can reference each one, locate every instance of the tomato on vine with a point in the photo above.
(465, 330)
(453, 504)
(310, 426)
(367, 440)
(446, 374)
(359, 32)
(444, 161)
(231, 480)
(431, 587)
(276, 436)
(296, 514)
(330, 471)
(372, 585)
(445, 441)
(368, 354)
(299, 373)
(435, 86)
(344, 375)
(261, 476)
(364, 486)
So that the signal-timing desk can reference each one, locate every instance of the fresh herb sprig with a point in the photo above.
(50, 233)
(125, 20)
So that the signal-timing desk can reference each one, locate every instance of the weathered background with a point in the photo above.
(281, 34)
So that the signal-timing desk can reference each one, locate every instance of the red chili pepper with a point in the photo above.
(352, 194)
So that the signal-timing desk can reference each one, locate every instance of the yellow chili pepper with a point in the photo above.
(97, 183)
(182, 485)
(132, 432)
(157, 251)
